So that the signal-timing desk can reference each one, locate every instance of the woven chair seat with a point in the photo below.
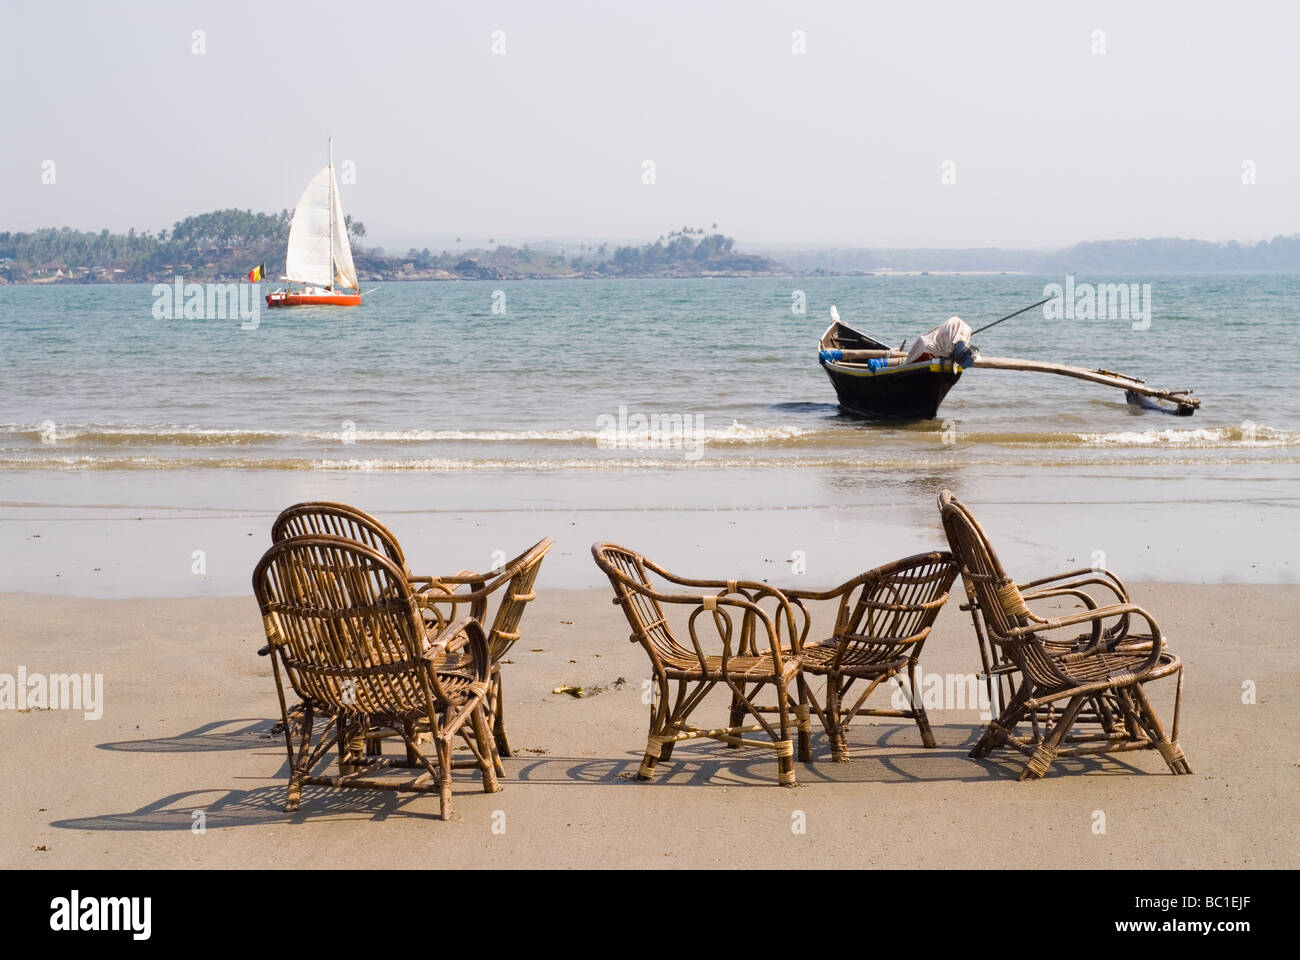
(880, 654)
(747, 668)
(1120, 665)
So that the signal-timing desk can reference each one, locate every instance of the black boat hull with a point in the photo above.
(912, 392)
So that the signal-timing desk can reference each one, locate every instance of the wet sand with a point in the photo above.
(188, 708)
(104, 533)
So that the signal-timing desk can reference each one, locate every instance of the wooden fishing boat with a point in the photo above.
(319, 256)
(882, 391)
(874, 382)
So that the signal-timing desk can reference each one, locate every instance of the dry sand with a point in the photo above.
(189, 706)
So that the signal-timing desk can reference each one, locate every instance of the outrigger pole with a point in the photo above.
(1132, 386)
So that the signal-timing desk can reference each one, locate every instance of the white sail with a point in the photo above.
(347, 273)
(308, 259)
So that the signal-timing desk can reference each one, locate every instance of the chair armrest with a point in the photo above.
(1103, 578)
(1098, 613)
(1113, 635)
(1094, 616)
(477, 596)
(1089, 603)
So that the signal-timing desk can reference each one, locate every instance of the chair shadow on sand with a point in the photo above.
(708, 764)
(880, 754)
(211, 736)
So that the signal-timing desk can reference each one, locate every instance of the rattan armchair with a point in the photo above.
(441, 598)
(882, 620)
(1079, 694)
(346, 635)
(748, 650)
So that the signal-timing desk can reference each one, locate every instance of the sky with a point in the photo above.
(1053, 123)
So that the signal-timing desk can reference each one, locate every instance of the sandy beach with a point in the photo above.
(188, 707)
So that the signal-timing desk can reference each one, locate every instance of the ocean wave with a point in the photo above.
(1245, 435)
(659, 432)
(894, 460)
(632, 435)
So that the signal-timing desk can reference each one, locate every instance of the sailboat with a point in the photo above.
(319, 255)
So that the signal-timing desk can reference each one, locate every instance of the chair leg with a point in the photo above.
(499, 717)
(344, 747)
(293, 798)
(918, 707)
(737, 716)
(654, 745)
(1169, 749)
(804, 715)
(1046, 751)
(412, 755)
(785, 747)
(488, 748)
(1002, 725)
(443, 747)
(299, 771)
(834, 720)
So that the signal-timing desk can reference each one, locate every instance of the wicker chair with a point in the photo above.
(346, 635)
(881, 624)
(440, 597)
(1092, 682)
(695, 670)
(1000, 673)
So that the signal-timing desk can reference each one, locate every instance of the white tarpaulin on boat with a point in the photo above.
(347, 273)
(940, 341)
(308, 258)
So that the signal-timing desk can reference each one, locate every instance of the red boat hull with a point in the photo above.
(292, 299)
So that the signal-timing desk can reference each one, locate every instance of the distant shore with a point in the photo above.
(443, 275)
(224, 245)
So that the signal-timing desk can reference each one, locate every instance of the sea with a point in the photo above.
(691, 413)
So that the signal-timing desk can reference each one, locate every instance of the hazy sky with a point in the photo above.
(845, 144)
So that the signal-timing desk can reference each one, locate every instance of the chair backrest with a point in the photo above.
(633, 591)
(320, 518)
(988, 587)
(519, 591)
(343, 622)
(915, 587)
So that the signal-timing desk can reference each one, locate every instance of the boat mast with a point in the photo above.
(331, 168)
